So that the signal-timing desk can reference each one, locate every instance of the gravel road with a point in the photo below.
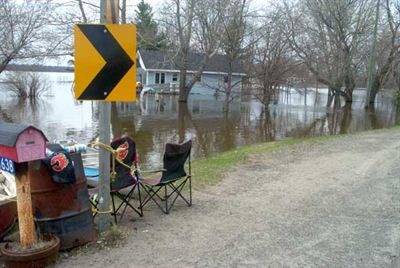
(331, 204)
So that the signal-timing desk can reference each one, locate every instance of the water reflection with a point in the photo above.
(158, 119)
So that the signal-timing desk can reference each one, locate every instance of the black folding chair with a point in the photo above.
(125, 179)
(172, 179)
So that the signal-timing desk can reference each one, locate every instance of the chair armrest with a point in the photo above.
(153, 171)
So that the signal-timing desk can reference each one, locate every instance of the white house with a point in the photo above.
(158, 69)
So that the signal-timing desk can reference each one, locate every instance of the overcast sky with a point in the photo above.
(255, 4)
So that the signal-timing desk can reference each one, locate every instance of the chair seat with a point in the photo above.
(166, 187)
(151, 180)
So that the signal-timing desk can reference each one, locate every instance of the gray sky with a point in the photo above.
(156, 3)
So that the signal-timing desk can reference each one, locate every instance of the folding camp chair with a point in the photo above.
(125, 182)
(172, 179)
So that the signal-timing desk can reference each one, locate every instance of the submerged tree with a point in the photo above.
(233, 16)
(388, 48)
(26, 85)
(272, 58)
(192, 26)
(328, 37)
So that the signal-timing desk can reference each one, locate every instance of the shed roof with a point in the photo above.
(9, 133)
(164, 60)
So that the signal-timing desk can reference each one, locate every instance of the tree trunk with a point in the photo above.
(350, 85)
(182, 114)
(2, 67)
(376, 85)
(331, 95)
(84, 18)
(182, 85)
(348, 77)
(375, 123)
(346, 118)
(4, 64)
(228, 90)
(183, 95)
(182, 75)
(397, 117)
(123, 12)
(380, 76)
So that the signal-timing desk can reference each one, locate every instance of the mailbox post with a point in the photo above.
(22, 144)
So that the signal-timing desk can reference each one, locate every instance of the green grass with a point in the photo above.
(209, 171)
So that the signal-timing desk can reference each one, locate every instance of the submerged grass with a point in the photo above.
(209, 171)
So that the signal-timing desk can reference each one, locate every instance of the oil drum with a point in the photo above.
(62, 209)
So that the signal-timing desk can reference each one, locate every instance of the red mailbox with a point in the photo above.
(22, 143)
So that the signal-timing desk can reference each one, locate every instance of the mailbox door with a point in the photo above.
(31, 145)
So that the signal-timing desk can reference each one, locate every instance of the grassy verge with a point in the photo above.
(209, 171)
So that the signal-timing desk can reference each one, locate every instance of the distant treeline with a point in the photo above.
(39, 68)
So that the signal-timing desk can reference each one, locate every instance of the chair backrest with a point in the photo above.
(175, 157)
(129, 157)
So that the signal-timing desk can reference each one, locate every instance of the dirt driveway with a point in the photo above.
(332, 204)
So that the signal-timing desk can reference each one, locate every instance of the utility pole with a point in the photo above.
(371, 67)
(108, 14)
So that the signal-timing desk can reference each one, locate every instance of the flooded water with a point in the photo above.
(154, 121)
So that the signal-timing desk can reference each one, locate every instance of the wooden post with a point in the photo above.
(27, 231)
(108, 14)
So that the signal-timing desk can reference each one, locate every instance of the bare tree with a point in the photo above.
(388, 47)
(193, 26)
(272, 59)
(26, 85)
(327, 36)
(23, 33)
(233, 16)
(396, 82)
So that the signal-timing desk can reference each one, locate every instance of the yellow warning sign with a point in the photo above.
(105, 62)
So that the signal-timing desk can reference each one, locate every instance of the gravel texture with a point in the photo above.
(331, 204)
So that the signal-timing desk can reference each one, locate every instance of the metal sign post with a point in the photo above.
(105, 70)
(105, 136)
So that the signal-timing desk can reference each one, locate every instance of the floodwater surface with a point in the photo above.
(156, 120)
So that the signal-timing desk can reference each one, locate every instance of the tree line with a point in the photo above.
(313, 41)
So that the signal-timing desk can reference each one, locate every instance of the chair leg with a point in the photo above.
(166, 199)
(125, 200)
(152, 193)
(190, 190)
(177, 191)
(140, 201)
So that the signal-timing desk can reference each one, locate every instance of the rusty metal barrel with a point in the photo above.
(62, 209)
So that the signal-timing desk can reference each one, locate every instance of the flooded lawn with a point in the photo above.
(156, 120)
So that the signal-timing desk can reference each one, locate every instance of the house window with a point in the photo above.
(159, 78)
(174, 77)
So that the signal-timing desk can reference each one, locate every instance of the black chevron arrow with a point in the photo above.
(117, 64)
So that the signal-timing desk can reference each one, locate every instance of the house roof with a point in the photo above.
(163, 60)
